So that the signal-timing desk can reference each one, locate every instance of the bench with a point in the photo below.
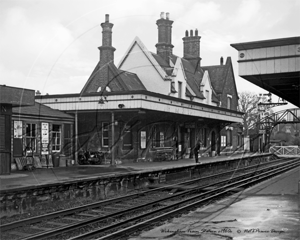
(164, 154)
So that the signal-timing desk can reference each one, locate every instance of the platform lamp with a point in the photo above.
(102, 100)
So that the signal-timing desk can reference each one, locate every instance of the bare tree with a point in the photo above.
(248, 105)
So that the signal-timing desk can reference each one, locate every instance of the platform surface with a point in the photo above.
(267, 211)
(19, 179)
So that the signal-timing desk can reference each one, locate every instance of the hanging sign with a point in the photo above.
(45, 138)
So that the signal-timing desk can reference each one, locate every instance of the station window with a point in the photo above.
(154, 136)
(105, 128)
(161, 139)
(223, 141)
(30, 138)
(229, 137)
(56, 138)
(203, 133)
(127, 140)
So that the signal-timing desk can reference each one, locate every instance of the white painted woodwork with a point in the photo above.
(179, 76)
(206, 86)
(140, 61)
(139, 101)
(260, 64)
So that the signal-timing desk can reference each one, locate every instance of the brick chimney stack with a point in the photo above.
(106, 50)
(191, 47)
(164, 46)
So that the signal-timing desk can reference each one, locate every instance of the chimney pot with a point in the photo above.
(221, 60)
(191, 33)
(186, 33)
(196, 32)
(164, 45)
(167, 15)
(106, 17)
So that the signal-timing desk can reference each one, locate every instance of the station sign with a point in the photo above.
(45, 138)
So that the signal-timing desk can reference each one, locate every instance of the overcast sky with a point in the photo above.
(52, 45)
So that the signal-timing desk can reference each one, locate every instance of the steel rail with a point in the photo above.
(83, 223)
(48, 216)
(92, 220)
(139, 226)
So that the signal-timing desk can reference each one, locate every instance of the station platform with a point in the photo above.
(267, 211)
(38, 177)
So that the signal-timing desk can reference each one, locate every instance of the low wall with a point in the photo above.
(22, 200)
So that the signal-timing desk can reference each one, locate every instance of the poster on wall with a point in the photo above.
(45, 138)
(161, 139)
(143, 139)
(17, 129)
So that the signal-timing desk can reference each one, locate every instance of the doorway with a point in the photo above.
(213, 141)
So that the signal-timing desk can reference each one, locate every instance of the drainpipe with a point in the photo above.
(113, 163)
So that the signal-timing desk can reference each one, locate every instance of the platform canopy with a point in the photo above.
(273, 65)
(138, 101)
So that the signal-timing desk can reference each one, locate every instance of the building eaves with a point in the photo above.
(266, 43)
(41, 110)
(91, 78)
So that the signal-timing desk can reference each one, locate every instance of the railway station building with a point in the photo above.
(154, 101)
(31, 132)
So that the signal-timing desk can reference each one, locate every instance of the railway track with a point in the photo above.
(104, 219)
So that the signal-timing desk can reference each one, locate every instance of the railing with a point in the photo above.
(285, 150)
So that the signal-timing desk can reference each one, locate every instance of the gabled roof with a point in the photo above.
(123, 81)
(217, 76)
(193, 77)
(131, 81)
(163, 64)
(156, 61)
(39, 109)
(215, 98)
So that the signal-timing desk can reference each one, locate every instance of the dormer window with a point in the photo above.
(179, 89)
(207, 96)
(229, 101)
(173, 90)
(201, 88)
